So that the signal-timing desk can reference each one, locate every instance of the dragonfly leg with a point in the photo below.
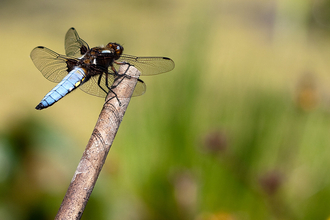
(122, 63)
(122, 76)
(99, 83)
(107, 85)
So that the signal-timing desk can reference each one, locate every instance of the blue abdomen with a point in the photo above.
(68, 83)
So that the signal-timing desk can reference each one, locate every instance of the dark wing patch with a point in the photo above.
(52, 65)
(74, 45)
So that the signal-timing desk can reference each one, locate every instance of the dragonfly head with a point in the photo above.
(117, 49)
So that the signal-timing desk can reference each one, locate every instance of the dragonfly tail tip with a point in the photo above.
(40, 106)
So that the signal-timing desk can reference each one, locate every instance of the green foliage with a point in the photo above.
(236, 131)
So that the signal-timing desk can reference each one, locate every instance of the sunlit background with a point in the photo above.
(238, 130)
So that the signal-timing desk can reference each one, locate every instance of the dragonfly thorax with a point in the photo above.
(99, 57)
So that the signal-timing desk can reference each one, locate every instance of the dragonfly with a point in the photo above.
(93, 70)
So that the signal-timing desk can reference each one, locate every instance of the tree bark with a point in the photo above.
(97, 149)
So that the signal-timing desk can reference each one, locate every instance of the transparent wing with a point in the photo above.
(148, 65)
(140, 88)
(51, 64)
(74, 45)
(91, 86)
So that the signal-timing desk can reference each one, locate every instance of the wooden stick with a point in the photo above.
(97, 149)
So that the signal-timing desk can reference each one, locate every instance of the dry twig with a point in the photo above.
(97, 149)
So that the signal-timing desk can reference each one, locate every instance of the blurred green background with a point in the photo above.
(238, 130)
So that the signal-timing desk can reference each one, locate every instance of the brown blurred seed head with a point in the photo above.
(215, 142)
(270, 182)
